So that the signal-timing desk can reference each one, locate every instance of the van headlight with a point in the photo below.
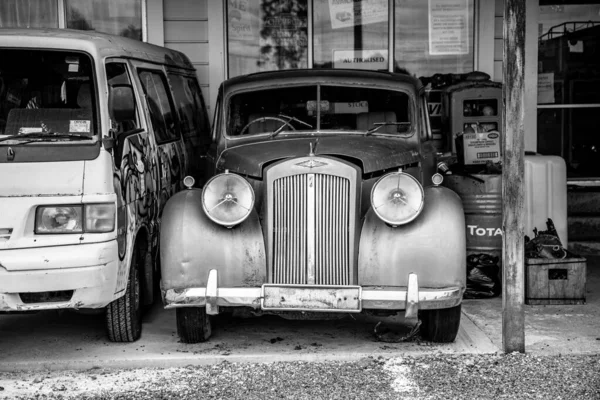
(397, 198)
(88, 218)
(227, 199)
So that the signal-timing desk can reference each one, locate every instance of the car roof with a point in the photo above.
(321, 75)
(99, 45)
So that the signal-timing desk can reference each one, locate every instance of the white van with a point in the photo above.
(96, 133)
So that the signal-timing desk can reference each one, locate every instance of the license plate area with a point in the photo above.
(311, 298)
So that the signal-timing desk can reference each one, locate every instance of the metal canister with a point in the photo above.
(481, 196)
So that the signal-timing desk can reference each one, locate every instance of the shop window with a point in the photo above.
(117, 17)
(160, 106)
(266, 35)
(569, 85)
(351, 34)
(434, 36)
(28, 14)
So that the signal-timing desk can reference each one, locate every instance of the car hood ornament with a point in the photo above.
(311, 163)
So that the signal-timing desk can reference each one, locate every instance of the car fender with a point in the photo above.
(191, 245)
(433, 245)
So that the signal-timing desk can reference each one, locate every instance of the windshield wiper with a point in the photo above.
(378, 125)
(46, 135)
(290, 119)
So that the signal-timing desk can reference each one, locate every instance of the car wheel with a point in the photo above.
(193, 325)
(440, 325)
(124, 315)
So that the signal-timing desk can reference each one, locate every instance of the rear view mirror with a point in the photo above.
(121, 103)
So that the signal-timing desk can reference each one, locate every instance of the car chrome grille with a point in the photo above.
(313, 224)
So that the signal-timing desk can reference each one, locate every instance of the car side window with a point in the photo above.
(190, 107)
(117, 74)
(162, 114)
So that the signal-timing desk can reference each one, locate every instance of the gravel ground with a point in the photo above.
(439, 376)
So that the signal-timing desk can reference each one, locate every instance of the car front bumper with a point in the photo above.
(315, 298)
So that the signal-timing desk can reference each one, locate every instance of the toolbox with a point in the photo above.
(555, 281)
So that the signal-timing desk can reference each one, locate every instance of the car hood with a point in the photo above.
(375, 153)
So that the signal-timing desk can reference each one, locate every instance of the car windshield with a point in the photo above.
(46, 95)
(338, 108)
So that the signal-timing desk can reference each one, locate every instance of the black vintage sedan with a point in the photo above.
(323, 198)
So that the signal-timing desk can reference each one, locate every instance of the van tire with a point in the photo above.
(124, 315)
(441, 325)
(193, 325)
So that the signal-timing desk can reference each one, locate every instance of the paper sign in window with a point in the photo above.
(79, 126)
(448, 27)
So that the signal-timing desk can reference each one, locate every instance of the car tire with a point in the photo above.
(193, 325)
(441, 325)
(124, 315)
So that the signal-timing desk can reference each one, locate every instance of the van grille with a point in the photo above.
(46, 297)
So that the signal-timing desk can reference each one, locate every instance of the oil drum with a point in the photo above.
(481, 195)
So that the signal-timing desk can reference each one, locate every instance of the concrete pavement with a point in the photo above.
(68, 340)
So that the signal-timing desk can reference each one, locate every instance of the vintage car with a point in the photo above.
(324, 198)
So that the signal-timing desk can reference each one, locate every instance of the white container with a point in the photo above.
(546, 194)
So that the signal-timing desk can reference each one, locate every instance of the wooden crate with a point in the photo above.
(551, 281)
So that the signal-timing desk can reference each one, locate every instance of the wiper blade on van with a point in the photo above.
(46, 135)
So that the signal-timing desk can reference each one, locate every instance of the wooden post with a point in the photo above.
(513, 295)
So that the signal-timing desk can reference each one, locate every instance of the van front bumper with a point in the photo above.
(315, 298)
(89, 271)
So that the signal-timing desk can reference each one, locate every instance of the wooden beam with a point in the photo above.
(513, 316)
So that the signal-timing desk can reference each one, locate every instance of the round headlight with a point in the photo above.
(397, 198)
(227, 199)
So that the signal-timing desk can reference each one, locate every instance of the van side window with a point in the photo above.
(190, 106)
(116, 74)
(160, 106)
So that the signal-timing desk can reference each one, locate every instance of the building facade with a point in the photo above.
(229, 38)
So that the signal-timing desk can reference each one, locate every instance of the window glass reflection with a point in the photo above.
(351, 34)
(434, 36)
(28, 14)
(266, 35)
(117, 17)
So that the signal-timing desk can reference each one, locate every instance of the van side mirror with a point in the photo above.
(121, 103)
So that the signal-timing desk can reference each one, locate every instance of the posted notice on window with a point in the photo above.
(363, 59)
(448, 27)
(346, 13)
(546, 88)
(239, 20)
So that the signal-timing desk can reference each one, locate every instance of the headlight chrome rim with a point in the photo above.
(227, 190)
(405, 190)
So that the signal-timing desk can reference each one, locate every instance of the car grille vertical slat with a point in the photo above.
(328, 205)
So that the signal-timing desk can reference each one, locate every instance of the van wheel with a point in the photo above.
(124, 315)
(440, 325)
(193, 325)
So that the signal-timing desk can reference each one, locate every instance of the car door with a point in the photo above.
(165, 129)
(134, 180)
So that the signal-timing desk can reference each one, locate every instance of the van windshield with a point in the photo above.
(46, 96)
